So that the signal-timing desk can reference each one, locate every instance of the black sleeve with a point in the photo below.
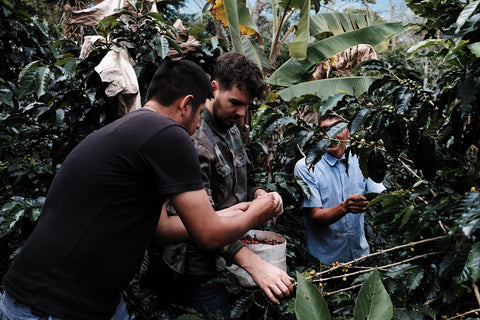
(171, 155)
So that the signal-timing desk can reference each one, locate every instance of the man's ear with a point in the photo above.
(215, 86)
(186, 100)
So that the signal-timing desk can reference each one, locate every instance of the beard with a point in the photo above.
(226, 121)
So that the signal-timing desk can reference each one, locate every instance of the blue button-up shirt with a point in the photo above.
(330, 184)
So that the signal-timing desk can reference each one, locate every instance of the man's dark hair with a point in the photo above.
(175, 79)
(233, 68)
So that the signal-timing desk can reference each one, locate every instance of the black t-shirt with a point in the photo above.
(100, 214)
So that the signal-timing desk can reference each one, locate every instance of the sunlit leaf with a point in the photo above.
(373, 301)
(475, 48)
(298, 47)
(255, 54)
(336, 23)
(473, 262)
(464, 16)
(26, 79)
(294, 71)
(42, 79)
(328, 87)
(309, 303)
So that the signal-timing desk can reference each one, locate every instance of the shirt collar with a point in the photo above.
(331, 160)
(212, 123)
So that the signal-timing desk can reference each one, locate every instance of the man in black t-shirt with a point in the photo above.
(103, 206)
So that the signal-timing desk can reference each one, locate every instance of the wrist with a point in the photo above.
(343, 208)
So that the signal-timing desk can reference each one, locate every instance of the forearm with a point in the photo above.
(247, 259)
(325, 217)
(210, 231)
(171, 228)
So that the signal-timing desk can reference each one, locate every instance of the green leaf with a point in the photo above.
(475, 48)
(42, 79)
(309, 303)
(161, 46)
(254, 53)
(175, 45)
(231, 9)
(473, 262)
(6, 97)
(331, 103)
(468, 209)
(336, 23)
(328, 87)
(26, 79)
(373, 301)
(244, 17)
(317, 151)
(464, 16)
(427, 43)
(294, 71)
(358, 120)
(414, 278)
(298, 47)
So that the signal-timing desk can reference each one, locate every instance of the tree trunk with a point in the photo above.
(256, 11)
(392, 15)
(220, 29)
(369, 10)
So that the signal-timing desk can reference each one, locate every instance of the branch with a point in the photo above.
(464, 314)
(475, 290)
(341, 290)
(380, 268)
(411, 244)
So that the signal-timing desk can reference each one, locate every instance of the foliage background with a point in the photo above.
(416, 129)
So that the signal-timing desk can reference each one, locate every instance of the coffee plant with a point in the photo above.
(416, 129)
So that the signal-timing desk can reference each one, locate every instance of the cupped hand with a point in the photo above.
(356, 203)
(272, 280)
(272, 204)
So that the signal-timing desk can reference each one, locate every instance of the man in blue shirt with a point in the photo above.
(334, 212)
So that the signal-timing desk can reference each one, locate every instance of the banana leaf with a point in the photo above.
(231, 9)
(295, 71)
(238, 17)
(254, 53)
(336, 23)
(327, 87)
(298, 47)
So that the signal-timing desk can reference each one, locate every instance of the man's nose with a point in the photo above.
(241, 111)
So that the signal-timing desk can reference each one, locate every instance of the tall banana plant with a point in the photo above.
(235, 15)
(338, 32)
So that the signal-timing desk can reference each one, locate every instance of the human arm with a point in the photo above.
(171, 229)
(272, 280)
(355, 203)
(210, 231)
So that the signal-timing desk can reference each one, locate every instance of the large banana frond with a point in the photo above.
(294, 71)
(336, 23)
(327, 87)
